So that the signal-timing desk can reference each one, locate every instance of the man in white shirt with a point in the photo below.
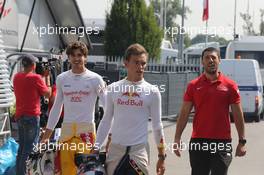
(129, 104)
(77, 90)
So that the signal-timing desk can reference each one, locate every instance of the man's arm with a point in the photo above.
(47, 94)
(54, 114)
(43, 86)
(157, 126)
(181, 124)
(240, 126)
(106, 121)
(101, 91)
(239, 120)
(155, 114)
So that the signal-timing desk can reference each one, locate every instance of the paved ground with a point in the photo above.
(252, 164)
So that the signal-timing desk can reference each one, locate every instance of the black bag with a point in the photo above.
(127, 166)
(90, 163)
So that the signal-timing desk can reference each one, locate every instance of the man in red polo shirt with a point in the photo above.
(211, 95)
(28, 88)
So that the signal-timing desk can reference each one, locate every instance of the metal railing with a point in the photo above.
(154, 66)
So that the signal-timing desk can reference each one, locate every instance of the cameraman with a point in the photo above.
(46, 69)
(28, 88)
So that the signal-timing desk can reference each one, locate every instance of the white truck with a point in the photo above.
(246, 73)
(192, 54)
(247, 47)
(168, 53)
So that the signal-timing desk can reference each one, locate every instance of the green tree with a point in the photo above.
(173, 10)
(248, 26)
(261, 27)
(131, 21)
(187, 40)
(200, 38)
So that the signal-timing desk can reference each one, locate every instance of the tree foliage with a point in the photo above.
(211, 38)
(173, 10)
(248, 26)
(261, 27)
(131, 21)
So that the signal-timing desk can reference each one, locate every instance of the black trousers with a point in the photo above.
(210, 161)
(127, 166)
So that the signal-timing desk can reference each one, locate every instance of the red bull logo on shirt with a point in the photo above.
(130, 102)
(131, 94)
(131, 99)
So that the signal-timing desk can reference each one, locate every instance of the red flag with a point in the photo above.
(205, 10)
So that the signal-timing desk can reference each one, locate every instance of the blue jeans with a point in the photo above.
(28, 133)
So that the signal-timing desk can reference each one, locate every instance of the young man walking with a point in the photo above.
(77, 90)
(130, 103)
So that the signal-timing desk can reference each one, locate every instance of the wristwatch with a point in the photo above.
(242, 141)
(162, 156)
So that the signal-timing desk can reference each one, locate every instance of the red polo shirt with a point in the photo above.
(28, 88)
(211, 102)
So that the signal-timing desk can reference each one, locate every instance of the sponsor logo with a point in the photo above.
(76, 99)
(199, 88)
(80, 93)
(131, 94)
(130, 102)
(222, 88)
(76, 96)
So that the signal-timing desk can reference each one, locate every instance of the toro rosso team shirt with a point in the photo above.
(211, 101)
(78, 93)
(129, 105)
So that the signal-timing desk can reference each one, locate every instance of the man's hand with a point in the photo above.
(45, 137)
(181, 124)
(46, 73)
(108, 143)
(160, 167)
(94, 150)
(177, 147)
(240, 150)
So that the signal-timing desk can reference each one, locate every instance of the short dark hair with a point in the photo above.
(211, 49)
(77, 45)
(134, 49)
(28, 60)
